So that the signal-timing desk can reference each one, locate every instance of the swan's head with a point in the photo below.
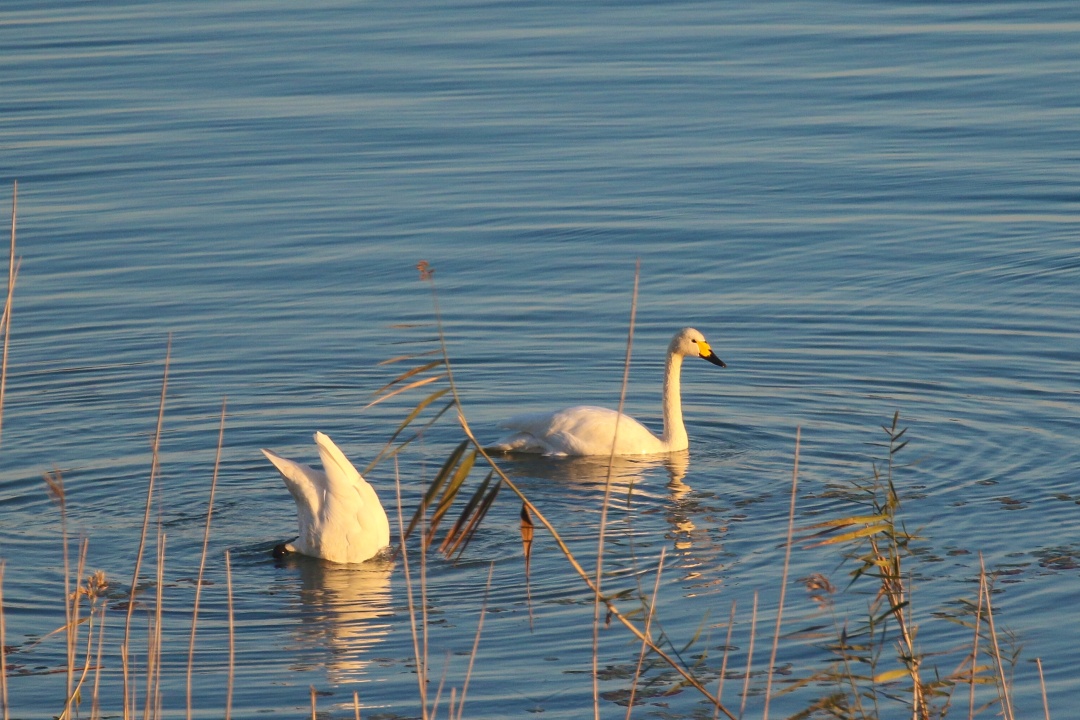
(691, 343)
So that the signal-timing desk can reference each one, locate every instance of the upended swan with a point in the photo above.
(339, 514)
(587, 430)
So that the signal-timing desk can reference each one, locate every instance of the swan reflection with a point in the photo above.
(345, 613)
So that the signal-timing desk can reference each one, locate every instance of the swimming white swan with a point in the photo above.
(340, 516)
(587, 430)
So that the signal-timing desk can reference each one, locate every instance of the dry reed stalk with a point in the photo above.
(783, 576)
(1003, 691)
(154, 464)
(476, 645)
(5, 321)
(202, 558)
(613, 611)
(504, 479)
(89, 637)
(3, 653)
(723, 663)
(975, 648)
(232, 643)
(72, 600)
(152, 706)
(356, 704)
(749, 656)
(421, 664)
(1042, 686)
(54, 483)
(95, 707)
(648, 627)
(439, 689)
(311, 689)
(607, 498)
(423, 597)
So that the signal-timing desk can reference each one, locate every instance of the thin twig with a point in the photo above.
(154, 462)
(6, 320)
(783, 576)
(95, 708)
(420, 665)
(975, 645)
(585, 577)
(476, 645)
(648, 625)
(723, 663)
(3, 642)
(607, 497)
(749, 656)
(232, 643)
(1006, 702)
(202, 559)
(1042, 686)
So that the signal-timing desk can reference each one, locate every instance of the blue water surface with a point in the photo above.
(867, 209)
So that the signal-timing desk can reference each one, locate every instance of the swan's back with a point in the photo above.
(581, 430)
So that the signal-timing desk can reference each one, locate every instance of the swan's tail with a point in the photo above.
(333, 458)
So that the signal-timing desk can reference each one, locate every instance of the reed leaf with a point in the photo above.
(853, 535)
(466, 513)
(450, 493)
(474, 524)
(410, 386)
(436, 483)
(387, 453)
(411, 356)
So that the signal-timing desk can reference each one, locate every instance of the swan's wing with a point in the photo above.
(304, 485)
(355, 525)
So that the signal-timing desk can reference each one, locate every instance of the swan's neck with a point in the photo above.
(674, 431)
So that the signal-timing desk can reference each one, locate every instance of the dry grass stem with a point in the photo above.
(975, 646)
(476, 645)
(783, 576)
(3, 651)
(232, 641)
(202, 559)
(154, 463)
(421, 663)
(749, 656)
(5, 320)
(597, 599)
(95, 708)
(1003, 686)
(723, 662)
(648, 627)
(356, 705)
(1042, 686)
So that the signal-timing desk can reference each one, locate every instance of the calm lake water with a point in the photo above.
(867, 208)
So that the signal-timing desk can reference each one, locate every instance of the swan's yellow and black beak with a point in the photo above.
(706, 353)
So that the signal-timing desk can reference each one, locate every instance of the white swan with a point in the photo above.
(587, 430)
(340, 516)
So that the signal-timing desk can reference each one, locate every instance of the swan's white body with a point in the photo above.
(339, 514)
(588, 430)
